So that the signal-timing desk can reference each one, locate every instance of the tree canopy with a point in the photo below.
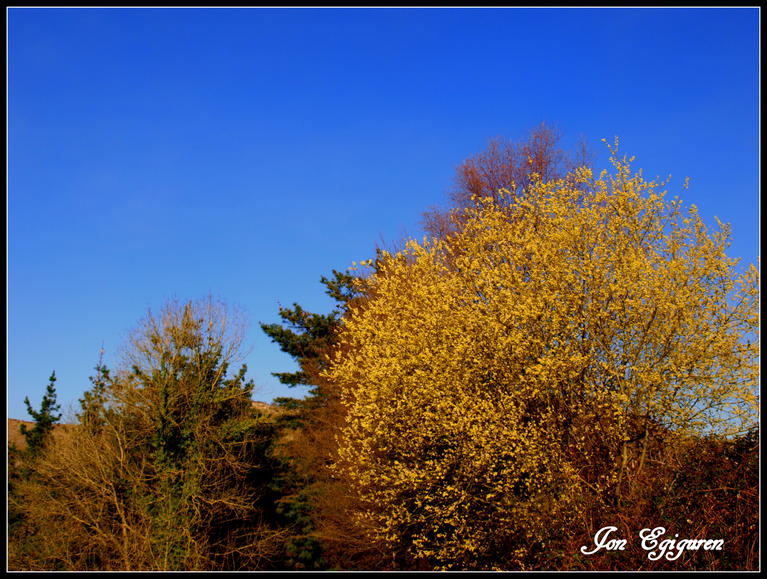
(496, 378)
(170, 467)
(45, 419)
(564, 350)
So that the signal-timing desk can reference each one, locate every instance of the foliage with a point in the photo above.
(566, 352)
(314, 498)
(170, 467)
(22, 462)
(507, 166)
(307, 336)
(698, 487)
(502, 381)
(45, 418)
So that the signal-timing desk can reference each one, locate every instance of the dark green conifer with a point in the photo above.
(45, 419)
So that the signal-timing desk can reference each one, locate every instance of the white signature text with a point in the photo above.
(652, 542)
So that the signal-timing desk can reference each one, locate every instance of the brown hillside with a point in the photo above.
(14, 432)
(15, 436)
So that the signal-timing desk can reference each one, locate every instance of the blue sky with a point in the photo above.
(158, 153)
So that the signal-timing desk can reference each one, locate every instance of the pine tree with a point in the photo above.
(171, 467)
(307, 336)
(45, 418)
(307, 488)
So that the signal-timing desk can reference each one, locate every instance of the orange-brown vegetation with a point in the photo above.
(512, 383)
(15, 437)
(568, 351)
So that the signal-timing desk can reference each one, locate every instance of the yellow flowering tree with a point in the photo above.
(498, 378)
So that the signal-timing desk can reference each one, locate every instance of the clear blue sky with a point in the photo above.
(247, 152)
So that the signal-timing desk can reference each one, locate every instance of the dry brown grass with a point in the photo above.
(15, 437)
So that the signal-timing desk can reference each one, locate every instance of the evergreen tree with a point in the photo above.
(45, 419)
(306, 486)
(171, 467)
(308, 336)
(92, 404)
(21, 461)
